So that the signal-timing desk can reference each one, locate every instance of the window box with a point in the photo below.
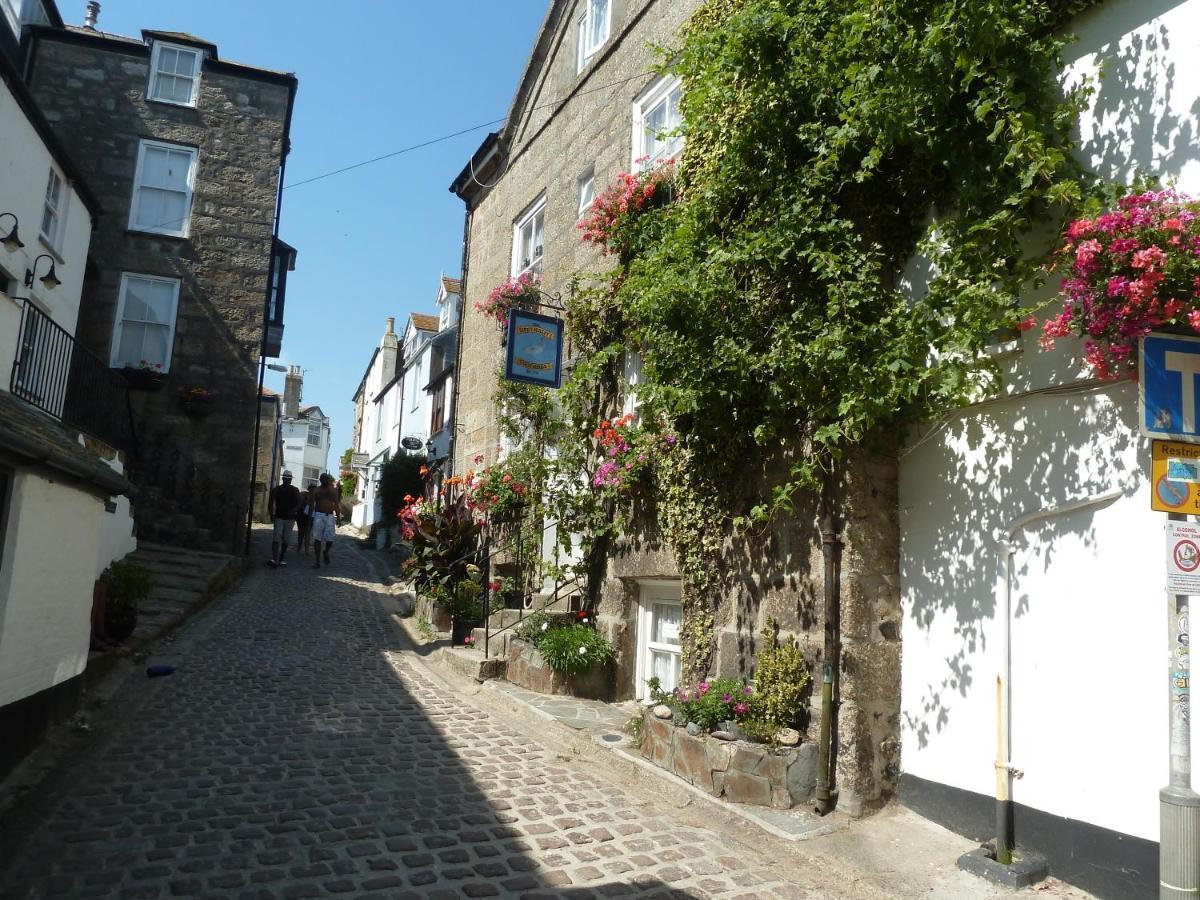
(143, 379)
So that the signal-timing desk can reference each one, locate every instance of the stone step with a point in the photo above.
(498, 643)
(471, 664)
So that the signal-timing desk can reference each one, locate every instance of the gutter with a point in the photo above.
(99, 476)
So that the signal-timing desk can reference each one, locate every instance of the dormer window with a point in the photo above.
(174, 74)
(592, 31)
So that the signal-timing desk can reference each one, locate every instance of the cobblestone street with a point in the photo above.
(300, 750)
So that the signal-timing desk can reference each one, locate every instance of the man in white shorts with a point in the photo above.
(325, 501)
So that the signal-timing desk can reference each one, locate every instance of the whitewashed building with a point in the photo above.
(1057, 469)
(305, 433)
(443, 352)
(64, 514)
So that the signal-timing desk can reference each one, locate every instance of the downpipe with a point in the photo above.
(1006, 773)
(831, 551)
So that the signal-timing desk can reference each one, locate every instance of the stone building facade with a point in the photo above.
(185, 152)
(269, 462)
(580, 116)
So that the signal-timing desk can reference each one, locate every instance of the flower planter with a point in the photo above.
(143, 379)
(739, 771)
(527, 668)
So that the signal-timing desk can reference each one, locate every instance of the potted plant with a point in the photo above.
(126, 585)
(145, 376)
(196, 402)
(521, 292)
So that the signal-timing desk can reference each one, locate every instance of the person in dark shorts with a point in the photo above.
(282, 506)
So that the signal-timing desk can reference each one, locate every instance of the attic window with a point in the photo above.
(174, 74)
(592, 30)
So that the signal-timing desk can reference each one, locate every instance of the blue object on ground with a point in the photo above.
(158, 671)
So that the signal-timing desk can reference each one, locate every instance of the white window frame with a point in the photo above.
(586, 184)
(415, 374)
(185, 225)
(198, 56)
(119, 321)
(309, 436)
(651, 592)
(585, 48)
(53, 238)
(529, 217)
(632, 376)
(658, 92)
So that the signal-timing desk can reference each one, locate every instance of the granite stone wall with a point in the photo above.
(93, 93)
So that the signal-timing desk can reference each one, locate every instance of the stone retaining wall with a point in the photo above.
(527, 668)
(739, 771)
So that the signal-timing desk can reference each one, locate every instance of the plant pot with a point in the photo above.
(119, 621)
(143, 379)
(462, 628)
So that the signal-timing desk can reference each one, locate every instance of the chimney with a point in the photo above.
(387, 353)
(93, 13)
(291, 392)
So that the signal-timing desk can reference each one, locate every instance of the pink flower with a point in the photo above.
(1194, 319)
(702, 687)
(747, 690)
(741, 709)
(1150, 258)
(726, 698)
(1028, 323)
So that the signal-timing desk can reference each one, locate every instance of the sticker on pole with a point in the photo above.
(1183, 558)
(1175, 477)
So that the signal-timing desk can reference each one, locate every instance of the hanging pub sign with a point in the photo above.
(534, 351)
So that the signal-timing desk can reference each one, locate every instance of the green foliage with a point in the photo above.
(401, 477)
(781, 686)
(464, 601)
(347, 476)
(710, 703)
(443, 545)
(574, 649)
(534, 626)
(126, 584)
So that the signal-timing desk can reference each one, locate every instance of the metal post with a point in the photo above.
(1179, 805)
(487, 609)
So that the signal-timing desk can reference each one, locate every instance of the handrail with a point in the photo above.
(488, 634)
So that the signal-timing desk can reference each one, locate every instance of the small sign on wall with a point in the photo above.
(1183, 558)
(534, 353)
(1175, 477)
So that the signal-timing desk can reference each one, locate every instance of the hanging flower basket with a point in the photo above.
(1130, 271)
(196, 402)
(521, 292)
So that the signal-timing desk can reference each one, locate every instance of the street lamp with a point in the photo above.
(10, 241)
(263, 365)
(50, 279)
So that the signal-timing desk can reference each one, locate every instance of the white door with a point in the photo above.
(659, 652)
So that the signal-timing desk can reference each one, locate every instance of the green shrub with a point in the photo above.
(781, 685)
(574, 649)
(126, 583)
(710, 703)
(535, 626)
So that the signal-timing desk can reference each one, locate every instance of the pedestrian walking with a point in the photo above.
(325, 518)
(304, 519)
(283, 504)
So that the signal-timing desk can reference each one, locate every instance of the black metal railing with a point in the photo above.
(56, 374)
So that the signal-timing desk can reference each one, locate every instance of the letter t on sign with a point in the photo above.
(1188, 367)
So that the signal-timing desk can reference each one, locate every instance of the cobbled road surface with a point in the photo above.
(303, 749)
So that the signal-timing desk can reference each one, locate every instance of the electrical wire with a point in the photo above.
(460, 133)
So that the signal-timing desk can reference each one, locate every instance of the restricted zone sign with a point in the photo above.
(1175, 477)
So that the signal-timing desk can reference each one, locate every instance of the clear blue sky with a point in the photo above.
(375, 76)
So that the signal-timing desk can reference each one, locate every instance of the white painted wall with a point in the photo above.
(47, 572)
(297, 453)
(116, 528)
(1089, 688)
(24, 168)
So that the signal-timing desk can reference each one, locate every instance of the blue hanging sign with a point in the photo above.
(534, 352)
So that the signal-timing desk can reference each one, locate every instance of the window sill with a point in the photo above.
(171, 235)
(51, 249)
(174, 103)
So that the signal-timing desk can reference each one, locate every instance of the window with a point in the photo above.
(414, 378)
(592, 31)
(52, 212)
(438, 421)
(378, 421)
(659, 653)
(162, 189)
(587, 190)
(314, 434)
(655, 117)
(145, 332)
(174, 74)
(311, 474)
(633, 377)
(528, 235)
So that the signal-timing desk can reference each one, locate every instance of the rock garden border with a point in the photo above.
(740, 771)
(527, 668)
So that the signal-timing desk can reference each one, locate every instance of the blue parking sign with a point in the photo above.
(1168, 399)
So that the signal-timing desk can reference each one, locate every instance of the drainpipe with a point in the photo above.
(831, 548)
(1005, 771)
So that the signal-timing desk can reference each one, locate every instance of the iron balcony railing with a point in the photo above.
(54, 373)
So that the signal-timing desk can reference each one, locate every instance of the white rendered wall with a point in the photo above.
(24, 168)
(1089, 686)
(45, 605)
(116, 528)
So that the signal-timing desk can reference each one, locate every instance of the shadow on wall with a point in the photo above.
(1010, 461)
(1144, 113)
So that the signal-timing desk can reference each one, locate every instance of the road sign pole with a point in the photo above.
(1179, 805)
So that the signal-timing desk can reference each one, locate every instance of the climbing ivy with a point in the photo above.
(828, 142)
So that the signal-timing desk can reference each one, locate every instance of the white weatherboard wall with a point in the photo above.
(1089, 684)
(45, 606)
